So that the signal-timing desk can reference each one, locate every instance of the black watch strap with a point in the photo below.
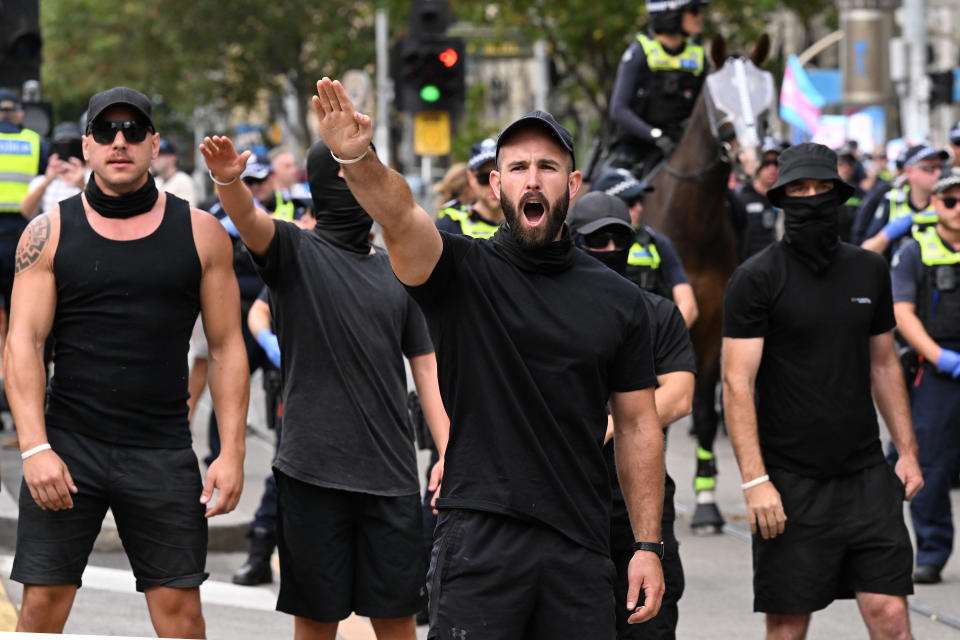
(655, 547)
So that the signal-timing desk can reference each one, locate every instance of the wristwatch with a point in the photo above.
(655, 547)
(655, 133)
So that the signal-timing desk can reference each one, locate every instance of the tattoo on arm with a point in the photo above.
(32, 243)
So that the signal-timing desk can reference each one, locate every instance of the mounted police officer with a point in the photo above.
(753, 215)
(481, 218)
(22, 157)
(652, 262)
(658, 81)
(926, 296)
(907, 209)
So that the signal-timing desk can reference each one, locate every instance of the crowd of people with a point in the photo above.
(547, 331)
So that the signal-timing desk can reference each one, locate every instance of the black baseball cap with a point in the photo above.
(924, 151)
(807, 160)
(545, 122)
(166, 147)
(120, 95)
(596, 210)
(9, 101)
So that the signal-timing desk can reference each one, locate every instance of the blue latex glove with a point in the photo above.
(949, 362)
(268, 340)
(229, 226)
(898, 227)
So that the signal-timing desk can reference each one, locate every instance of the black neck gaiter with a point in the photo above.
(341, 220)
(554, 257)
(122, 206)
(811, 228)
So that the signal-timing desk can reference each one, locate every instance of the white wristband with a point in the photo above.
(357, 159)
(37, 449)
(756, 481)
(218, 183)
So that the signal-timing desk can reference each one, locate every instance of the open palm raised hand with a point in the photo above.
(345, 131)
(222, 159)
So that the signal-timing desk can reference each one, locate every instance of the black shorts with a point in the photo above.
(344, 551)
(843, 535)
(493, 577)
(155, 498)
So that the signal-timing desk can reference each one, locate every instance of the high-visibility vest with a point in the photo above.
(666, 97)
(284, 210)
(19, 164)
(938, 297)
(643, 265)
(472, 226)
(899, 199)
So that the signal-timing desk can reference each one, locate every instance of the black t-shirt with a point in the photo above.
(344, 323)
(527, 362)
(814, 405)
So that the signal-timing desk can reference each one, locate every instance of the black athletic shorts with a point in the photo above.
(344, 551)
(155, 498)
(843, 535)
(494, 577)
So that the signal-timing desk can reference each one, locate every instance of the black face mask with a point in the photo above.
(340, 219)
(123, 206)
(812, 228)
(616, 259)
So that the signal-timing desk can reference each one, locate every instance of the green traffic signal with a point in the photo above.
(430, 93)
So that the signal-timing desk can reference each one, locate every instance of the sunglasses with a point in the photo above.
(483, 178)
(105, 131)
(928, 168)
(600, 239)
(253, 181)
(950, 202)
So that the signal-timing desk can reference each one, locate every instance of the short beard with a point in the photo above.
(538, 237)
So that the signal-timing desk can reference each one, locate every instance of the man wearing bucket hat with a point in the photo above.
(481, 218)
(827, 520)
(601, 227)
(926, 301)
(907, 210)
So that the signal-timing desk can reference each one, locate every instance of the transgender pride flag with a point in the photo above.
(800, 102)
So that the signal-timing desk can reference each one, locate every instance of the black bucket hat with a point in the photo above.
(808, 160)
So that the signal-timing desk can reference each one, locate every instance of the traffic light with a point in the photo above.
(941, 87)
(429, 74)
(20, 42)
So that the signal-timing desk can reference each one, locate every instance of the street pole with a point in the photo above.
(917, 115)
(381, 134)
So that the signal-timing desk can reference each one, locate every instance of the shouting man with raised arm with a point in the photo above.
(118, 275)
(522, 544)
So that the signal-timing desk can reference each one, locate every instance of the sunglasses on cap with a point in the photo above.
(600, 239)
(949, 202)
(105, 131)
(483, 177)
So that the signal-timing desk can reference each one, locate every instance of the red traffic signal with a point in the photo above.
(448, 57)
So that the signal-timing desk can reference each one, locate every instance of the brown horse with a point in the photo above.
(690, 205)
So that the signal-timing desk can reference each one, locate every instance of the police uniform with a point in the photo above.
(757, 217)
(896, 203)
(926, 272)
(462, 220)
(20, 162)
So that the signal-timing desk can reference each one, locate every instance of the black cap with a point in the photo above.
(596, 210)
(807, 160)
(847, 151)
(481, 153)
(66, 131)
(166, 147)
(120, 95)
(621, 183)
(9, 101)
(544, 121)
(948, 180)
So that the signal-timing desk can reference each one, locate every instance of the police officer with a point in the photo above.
(652, 263)
(926, 296)
(657, 84)
(846, 168)
(753, 214)
(907, 209)
(481, 218)
(22, 157)
(258, 176)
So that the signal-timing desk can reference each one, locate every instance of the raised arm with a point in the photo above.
(32, 310)
(412, 239)
(255, 225)
(229, 376)
(638, 448)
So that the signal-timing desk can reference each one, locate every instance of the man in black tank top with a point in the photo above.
(117, 275)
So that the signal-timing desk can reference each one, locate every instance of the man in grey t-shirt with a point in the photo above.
(346, 467)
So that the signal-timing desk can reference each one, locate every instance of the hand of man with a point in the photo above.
(72, 173)
(898, 227)
(346, 132)
(226, 476)
(908, 470)
(54, 166)
(644, 573)
(271, 346)
(666, 145)
(49, 481)
(949, 362)
(222, 159)
(765, 510)
(436, 477)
